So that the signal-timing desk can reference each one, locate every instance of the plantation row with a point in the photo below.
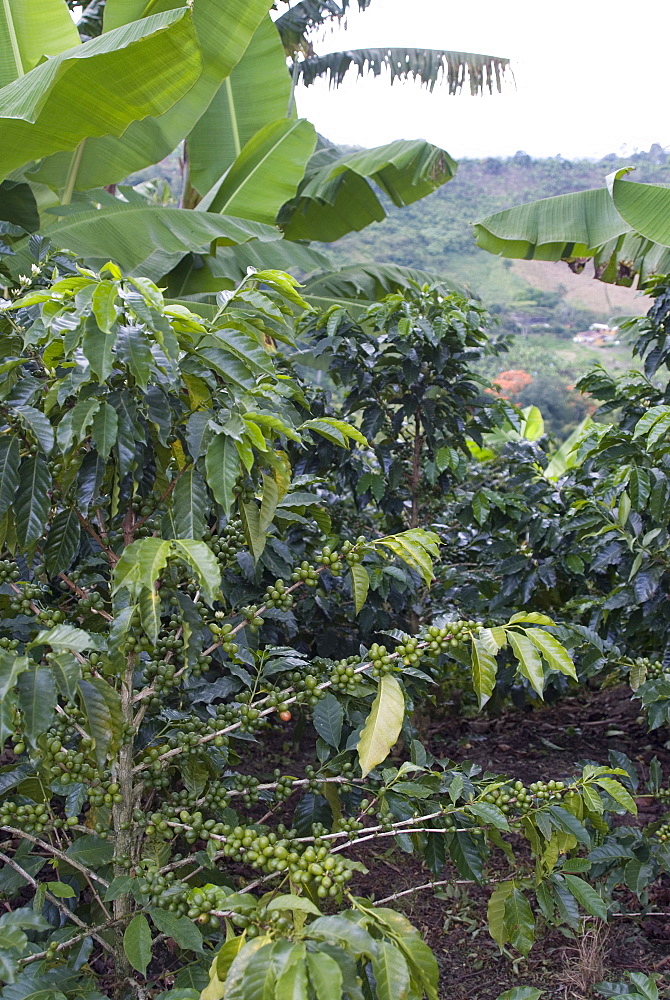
(255, 534)
(194, 534)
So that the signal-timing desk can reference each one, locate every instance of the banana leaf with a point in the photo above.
(199, 274)
(99, 87)
(302, 17)
(337, 196)
(256, 93)
(622, 227)
(430, 67)
(267, 172)
(31, 30)
(118, 12)
(569, 225)
(149, 241)
(224, 28)
(18, 205)
(358, 286)
(645, 207)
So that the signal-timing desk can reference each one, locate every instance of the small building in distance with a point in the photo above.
(598, 335)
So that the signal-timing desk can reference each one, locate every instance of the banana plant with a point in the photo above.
(623, 227)
(211, 74)
(483, 73)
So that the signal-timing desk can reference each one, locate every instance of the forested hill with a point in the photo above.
(436, 233)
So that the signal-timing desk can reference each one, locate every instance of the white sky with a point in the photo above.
(591, 78)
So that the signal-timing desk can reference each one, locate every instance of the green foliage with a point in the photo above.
(623, 227)
(150, 509)
(209, 76)
(151, 639)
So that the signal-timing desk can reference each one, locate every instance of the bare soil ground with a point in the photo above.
(532, 745)
(580, 291)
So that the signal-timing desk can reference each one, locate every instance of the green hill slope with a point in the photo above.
(542, 304)
(436, 234)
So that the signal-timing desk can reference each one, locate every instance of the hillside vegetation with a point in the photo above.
(436, 234)
(541, 305)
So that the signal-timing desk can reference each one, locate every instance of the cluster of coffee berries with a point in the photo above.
(510, 798)
(408, 650)
(183, 814)
(276, 698)
(351, 552)
(203, 902)
(225, 635)
(213, 800)
(91, 601)
(547, 790)
(246, 786)
(343, 676)
(349, 825)
(247, 914)
(165, 663)
(33, 817)
(48, 617)
(253, 620)
(381, 660)
(441, 639)
(149, 514)
(249, 718)
(20, 604)
(9, 571)
(106, 793)
(68, 764)
(227, 543)
(284, 786)
(276, 852)
(330, 559)
(653, 668)
(663, 833)
(166, 890)
(306, 688)
(307, 573)
(154, 771)
(276, 597)
(192, 731)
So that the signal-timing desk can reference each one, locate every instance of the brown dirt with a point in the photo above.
(538, 744)
(599, 297)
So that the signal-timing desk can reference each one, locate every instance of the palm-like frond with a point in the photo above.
(302, 17)
(429, 66)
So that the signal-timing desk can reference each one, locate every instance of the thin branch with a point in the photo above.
(88, 527)
(91, 932)
(175, 751)
(82, 593)
(166, 493)
(65, 910)
(58, 854)
(148, 691)
(431, 885)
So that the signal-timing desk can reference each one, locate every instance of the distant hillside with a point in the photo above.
(543, 304)
(435, 234)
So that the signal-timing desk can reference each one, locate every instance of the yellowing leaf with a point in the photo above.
(360, 583)
(383, 725)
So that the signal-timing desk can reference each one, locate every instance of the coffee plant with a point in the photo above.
(161, 548)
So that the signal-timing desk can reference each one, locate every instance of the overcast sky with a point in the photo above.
(589, 78)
